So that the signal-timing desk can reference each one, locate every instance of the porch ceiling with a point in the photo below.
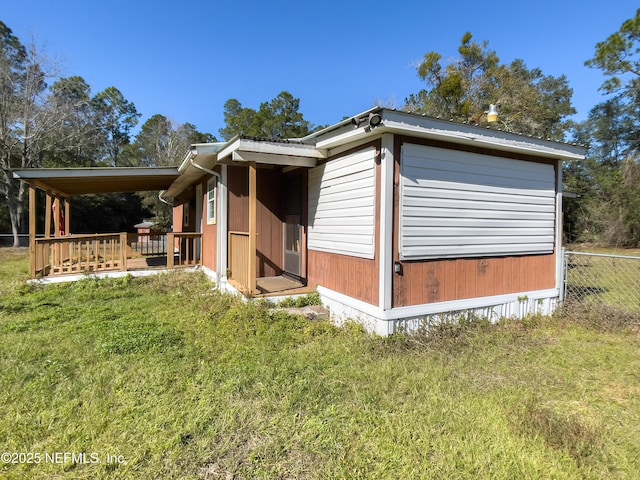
(81, 181)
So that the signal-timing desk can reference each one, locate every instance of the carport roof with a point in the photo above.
(80, 181)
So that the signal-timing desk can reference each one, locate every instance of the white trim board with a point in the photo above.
(386, 322)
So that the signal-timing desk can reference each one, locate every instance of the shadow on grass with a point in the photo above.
(581, 292)
(564, 431)
(598, 317)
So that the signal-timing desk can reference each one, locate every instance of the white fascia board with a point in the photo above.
(271, 159)
(275, 153)
(186, 161)
(206, 154)
(347, 121)
(424, 127)
(230, 147)
(206, 150)
(345, 134)
(277, 148)
(92, 172)
(409, 124)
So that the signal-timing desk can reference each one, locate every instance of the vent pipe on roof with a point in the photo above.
(492, 114)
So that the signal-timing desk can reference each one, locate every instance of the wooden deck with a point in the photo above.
(82, 254)
(273, 287)
(281, 285)
(147, 263)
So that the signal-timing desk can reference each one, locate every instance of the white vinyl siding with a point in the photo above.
(461, 204)
(342, 205)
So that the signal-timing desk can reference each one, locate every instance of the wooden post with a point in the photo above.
(47, 217)
(32, 232)
(170, 247)
(56, 218)
(67, 216)
(57, 251)
(66, 246)
(123, 252)
(251, 278)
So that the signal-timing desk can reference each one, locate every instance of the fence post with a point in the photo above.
(32, 232)
(563, 283)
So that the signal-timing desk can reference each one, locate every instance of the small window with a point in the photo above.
(212, 189)
(185, 214)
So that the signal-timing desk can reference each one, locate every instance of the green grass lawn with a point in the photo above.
(177, 381)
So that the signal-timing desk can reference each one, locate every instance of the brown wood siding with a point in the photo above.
(447, 280)
(431, 281)
(269, 246)
(177, 218)
(209, 246)
(269, 242)
(209, 233)
(191, 226)
(238, 205)
(352, 276)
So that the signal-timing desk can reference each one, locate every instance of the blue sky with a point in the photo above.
(186, 59)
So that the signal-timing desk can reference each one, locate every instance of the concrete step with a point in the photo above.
(311, 312)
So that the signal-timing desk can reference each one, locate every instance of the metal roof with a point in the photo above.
(80, 181)
(302, 152)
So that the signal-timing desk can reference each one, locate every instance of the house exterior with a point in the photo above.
(389, 216)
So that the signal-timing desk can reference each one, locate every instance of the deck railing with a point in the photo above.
(147, 244)
(239, 258)
(80, 254)
(186, 249)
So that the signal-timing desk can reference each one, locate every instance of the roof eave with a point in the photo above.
(67, 182)
(204, 155)
(425, 127)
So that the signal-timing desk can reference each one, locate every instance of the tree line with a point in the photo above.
(64, 125)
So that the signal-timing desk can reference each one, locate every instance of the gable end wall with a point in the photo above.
(442, 280)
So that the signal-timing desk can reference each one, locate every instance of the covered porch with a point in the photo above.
(58, 252)
(259, 228)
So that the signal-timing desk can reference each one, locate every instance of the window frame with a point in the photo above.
(212, 200)
(185, 214)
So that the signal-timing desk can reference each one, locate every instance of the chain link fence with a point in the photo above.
(6, 239)
(593, 279)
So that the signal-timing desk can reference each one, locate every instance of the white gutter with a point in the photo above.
(204, 169)
(200, 149)
(163, 200)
